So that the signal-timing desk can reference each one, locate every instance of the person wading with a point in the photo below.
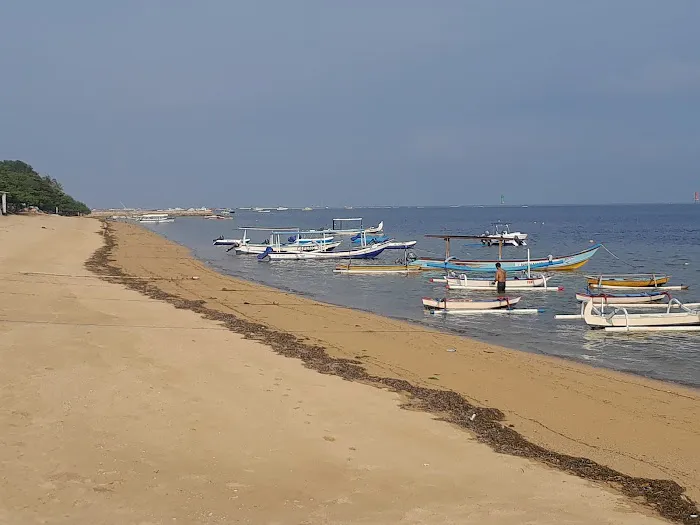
(500, 278)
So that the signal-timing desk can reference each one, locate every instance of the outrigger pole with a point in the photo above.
(447, 238)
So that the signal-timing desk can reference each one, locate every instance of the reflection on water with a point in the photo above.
(662, 239)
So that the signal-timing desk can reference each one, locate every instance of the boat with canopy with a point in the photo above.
(299, 241)
(550, 263)
(502, 232)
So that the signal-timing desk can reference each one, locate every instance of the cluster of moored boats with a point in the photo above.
(639, 302)
(616, 303)
(646, 307)
(295, 244)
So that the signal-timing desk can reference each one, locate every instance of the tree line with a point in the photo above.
(25, 187)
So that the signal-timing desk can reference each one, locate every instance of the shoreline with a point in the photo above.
(444, 330)
(473, 413)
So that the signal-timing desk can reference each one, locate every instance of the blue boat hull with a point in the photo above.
(568, 262)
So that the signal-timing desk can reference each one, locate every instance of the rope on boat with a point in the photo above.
(616, 257)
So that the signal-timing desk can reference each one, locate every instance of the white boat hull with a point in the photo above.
(464, 283)
(470, 304)
(228, 242)
(257, 249)
(620, 318)
(366, 252)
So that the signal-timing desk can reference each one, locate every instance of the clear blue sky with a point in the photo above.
(333, 102)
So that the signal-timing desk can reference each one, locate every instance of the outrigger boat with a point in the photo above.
(374, 239)
(376, 269)
(534, 283)
(366, 252)
(380, 269)
(298, 245)
(470, 304)
(628, 281)
(338, 227)
(621, 320)
(629, 298)
(155, 218)
(551, 263)
(221, 241)
(502, 232)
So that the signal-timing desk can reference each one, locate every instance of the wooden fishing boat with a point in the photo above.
(628, 281)
(465, 283)
(257, 249)
(222, 241)
(363, 239)
(501, 232)
(299, 241)
(551, 263)
(470, 304)
(365, 252)
(619, 319)
(629, 298)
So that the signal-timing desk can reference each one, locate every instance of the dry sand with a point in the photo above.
(118, 408)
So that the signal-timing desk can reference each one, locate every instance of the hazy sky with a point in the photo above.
(334, 102)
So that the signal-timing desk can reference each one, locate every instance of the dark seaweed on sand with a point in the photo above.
(665, 496)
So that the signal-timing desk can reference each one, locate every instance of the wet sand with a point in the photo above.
(118, 407)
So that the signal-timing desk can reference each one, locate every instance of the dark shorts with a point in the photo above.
(500, 287)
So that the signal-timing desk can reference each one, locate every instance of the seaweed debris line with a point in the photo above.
(664, 496)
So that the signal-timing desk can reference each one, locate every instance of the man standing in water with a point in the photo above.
(500, 279)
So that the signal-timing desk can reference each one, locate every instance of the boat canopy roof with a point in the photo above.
(356, 219)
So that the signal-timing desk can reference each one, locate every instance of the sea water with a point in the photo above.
(641, 238)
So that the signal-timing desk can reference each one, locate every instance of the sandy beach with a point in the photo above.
(152, 397)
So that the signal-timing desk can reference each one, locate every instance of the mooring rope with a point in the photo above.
(616, 257)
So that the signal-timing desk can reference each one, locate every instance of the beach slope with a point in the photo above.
(119, 408)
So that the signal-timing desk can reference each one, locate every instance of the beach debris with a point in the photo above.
(451, 350)
(665, 496)
(472, 417)
(195, 278)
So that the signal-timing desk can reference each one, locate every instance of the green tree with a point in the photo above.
(25, 187)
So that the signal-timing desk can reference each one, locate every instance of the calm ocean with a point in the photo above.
(646, 238)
